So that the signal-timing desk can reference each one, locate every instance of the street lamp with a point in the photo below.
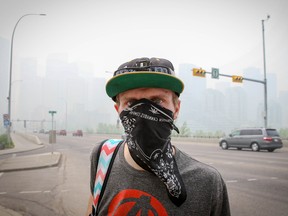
(265, 79)
(10, 78)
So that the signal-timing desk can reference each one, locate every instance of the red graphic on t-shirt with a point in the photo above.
(135, 202)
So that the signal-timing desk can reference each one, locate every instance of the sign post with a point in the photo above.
(52, 134)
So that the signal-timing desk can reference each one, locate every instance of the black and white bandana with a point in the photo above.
(148, 129)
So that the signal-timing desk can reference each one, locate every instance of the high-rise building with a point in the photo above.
(192, 98)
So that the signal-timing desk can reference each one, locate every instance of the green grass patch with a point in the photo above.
(4, 142)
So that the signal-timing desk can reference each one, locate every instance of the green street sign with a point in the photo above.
(215, 73)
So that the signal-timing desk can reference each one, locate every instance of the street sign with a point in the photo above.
(6, 120)
(215, 73)
(5, 116)
(6, 123)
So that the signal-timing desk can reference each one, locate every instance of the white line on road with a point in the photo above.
(273, 178)
(47, 191)
(1, 174)
(25, 192)
(3, 193)
(232, 181)
(252, 179)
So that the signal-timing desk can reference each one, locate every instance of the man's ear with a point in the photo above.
(177, 109)
(116, 107)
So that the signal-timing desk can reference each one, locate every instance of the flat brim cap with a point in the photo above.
(144, 79)
(133, 80)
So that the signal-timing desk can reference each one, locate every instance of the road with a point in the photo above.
(257, 181)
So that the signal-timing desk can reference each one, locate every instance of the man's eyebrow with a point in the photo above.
(128, 97)
(160, 95)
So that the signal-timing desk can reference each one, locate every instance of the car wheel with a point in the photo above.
(255, 147)
(224, 145)
(271, 150)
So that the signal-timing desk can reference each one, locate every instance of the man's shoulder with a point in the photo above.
(191, 166)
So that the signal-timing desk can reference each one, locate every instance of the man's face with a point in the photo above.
(160, 96)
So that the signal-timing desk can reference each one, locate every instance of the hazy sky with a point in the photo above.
(226, 34)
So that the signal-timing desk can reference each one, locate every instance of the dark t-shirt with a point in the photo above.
(130, 191)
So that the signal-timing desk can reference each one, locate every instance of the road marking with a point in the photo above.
(47, 191)
(252, 179)
(273, 178)
(232, 181)
(1, 174)
(3, 193)
(25, 192)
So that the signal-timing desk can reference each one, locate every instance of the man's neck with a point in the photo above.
(130, 160)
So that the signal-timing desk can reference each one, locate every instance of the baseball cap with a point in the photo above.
(144, 73)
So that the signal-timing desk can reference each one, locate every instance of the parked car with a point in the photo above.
(62, 133)
(253, 138)
(78, 133)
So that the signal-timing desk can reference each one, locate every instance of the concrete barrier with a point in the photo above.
(30, 137)
(196, 139)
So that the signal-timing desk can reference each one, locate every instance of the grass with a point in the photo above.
(4, 141)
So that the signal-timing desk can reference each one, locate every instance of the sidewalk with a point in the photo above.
(17, 163)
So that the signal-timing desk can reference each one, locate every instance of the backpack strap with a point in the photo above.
(108, 152)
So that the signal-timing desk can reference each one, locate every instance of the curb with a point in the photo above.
(30, 162)
(20, 151)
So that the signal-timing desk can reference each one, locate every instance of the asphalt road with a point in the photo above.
(257, 181)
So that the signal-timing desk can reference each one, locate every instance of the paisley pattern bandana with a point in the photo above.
(148, 129)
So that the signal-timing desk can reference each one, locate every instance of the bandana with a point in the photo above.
(148, 129)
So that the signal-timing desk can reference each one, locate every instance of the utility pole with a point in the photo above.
(265, 78)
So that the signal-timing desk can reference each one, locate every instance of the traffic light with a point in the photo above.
(199, 72)
(238, 79)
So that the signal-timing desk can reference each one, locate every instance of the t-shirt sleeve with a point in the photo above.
(225, 210)
(221, 200)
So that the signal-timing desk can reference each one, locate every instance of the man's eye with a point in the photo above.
(130, 102)
(157, 100)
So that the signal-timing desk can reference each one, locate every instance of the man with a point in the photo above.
(149, 176)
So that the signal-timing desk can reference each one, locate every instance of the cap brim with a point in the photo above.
(133, 80)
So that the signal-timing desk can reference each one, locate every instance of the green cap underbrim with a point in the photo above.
(133, 80)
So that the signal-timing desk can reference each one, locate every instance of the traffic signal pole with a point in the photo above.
(248, 79)
(216, 74)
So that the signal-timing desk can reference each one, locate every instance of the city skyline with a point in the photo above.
(81, 101)
(91, 39)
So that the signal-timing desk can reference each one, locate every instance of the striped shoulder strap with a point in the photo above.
(107, 154)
